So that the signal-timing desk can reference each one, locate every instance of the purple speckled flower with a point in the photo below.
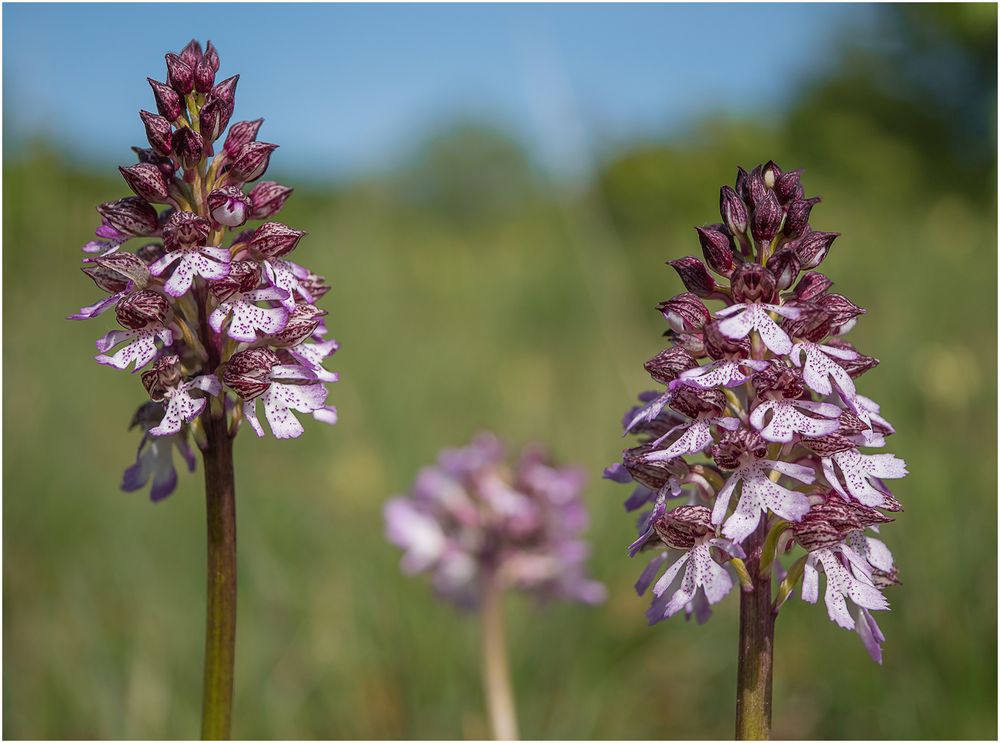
(200, 293)
(471, 515)
(759, 431)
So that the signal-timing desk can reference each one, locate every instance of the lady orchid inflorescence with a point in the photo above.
(470, 518)
(759, 429)
(212, 313)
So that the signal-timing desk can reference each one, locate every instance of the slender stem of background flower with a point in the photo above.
(496, 673)
(220, 627)
(756, 653)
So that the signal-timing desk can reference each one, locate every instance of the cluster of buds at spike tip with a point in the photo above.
(472, 518)
(758, 428)
(212, 316)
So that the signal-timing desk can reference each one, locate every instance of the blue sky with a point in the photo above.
(346, 89)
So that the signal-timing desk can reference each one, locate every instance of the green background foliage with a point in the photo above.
(469, 292)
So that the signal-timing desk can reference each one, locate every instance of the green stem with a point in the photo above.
(496, 674)
(220, 627)
(756, 652)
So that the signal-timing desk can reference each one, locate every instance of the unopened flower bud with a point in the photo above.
(797, 219)
(694, 401)
(733, 211)
(251, 161)
(158, 131)
(150, 156)
(187, 146)
(180, 75)
(685, 312)
(654, 475)
(788, 187)
(812, 248)
(229, 206)
(784, 266)
(683, 526)
(742, 177)
(273, 239)
(695, 276)
(248, 372)
(226, 91)
(716, 247)
(142, 308)
(756, 189)
(811, 285)
(241, 133)
(191, 53)
(127, 265)
(168, 102)
(204, 73)
(770, 174)
(131, 216)
(212, 119)
(147, 181)
(267, 198)
(766, 220)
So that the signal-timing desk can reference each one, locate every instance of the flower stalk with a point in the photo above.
(756, 650)
(496, 671)
(220, 624)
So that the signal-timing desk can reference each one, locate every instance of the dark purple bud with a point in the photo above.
(251, 161)
(212, 119)
(756, 188)
(180, 75)
(204, 77)
(131, 216)
(127, 265)
(191, 54)
(188, 147)
(733, 211)
(695, 276)
(241, 133)
(158, 131)
(212, 56)
(828, 445)
(273, 240)
(839, 307)
(226, 91)
(694, 402)
(812, 248)
(787, 186)
(148, 155)
(741, 184)
(141, 309)
(163, 375)
(168, 102)
(248, 372)
(784, 266)
(797, 219)
(766, 220)
(811, 285)
(770, 173)
(683, 526)
(302, 323)
(229, 206)
(753, 283)
(737, 444)
(716, 247)
(267, 198)
(185, 230)
(685, 312)
(105, 278)
(667, 365)
(720, 346)
(147, 181)
(244, 276)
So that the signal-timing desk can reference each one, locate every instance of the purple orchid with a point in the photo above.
(759, 428)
